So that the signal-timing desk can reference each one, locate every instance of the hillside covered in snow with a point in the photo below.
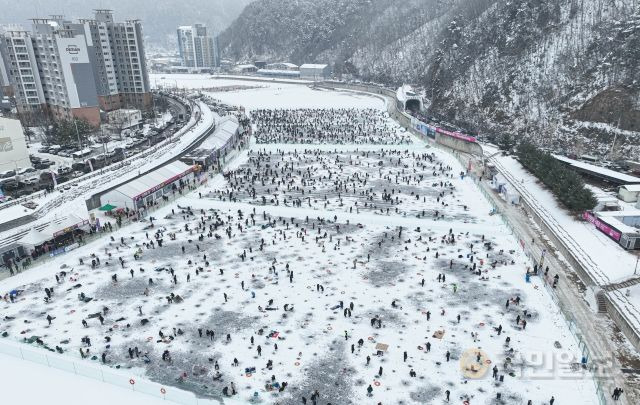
(563, 72)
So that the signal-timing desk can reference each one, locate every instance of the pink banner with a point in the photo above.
(457, 135)
(604, 228)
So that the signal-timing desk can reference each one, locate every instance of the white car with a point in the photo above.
(31, 182)
(26, 170)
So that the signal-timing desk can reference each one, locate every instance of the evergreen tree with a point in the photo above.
(564, 183)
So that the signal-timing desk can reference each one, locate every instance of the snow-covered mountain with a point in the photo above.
(563, 72)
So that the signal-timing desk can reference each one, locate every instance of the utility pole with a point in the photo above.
(75, 123)
(615, 136)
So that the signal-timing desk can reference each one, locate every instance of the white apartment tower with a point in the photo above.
(5, 86)
(197, 48)
(76, 68)
(118, 58)
(65, 70)
(19, 69)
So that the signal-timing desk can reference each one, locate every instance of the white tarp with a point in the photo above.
(34, 238)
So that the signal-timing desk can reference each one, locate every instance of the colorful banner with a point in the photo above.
(602, 227)
(424, 129)
(430, 131)
(457, 135)
(164, 183)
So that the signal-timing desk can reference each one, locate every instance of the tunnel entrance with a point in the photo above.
(412, 105)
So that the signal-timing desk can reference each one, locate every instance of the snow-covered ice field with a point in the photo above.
(362, 286)
(269, 95)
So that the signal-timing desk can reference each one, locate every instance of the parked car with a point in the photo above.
(79, 166)
(7, 180)
(11, 184)
(64, 170)
(54, 149)
(8, 173)
(31, 182)
(26, 170)
(42, 165)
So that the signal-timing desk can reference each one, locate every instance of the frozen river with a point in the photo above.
(367, 273)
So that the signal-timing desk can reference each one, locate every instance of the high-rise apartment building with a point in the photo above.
(197, 48)
(65, 70)
(5, 85)
(74, 69)
(20, 69)
(119, 61)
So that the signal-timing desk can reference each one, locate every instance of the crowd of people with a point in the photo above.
(327, 126)
(250, 303)
(380, 181)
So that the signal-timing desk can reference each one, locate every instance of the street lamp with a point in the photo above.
(77, 132)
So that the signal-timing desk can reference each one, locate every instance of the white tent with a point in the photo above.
(60, 226)
(34, 238)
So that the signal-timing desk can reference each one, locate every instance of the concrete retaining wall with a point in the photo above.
(458, 144)
(621, 322)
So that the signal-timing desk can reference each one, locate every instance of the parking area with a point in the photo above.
(53, 165)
